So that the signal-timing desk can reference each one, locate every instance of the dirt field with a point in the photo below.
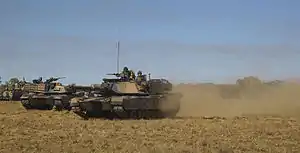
(267, 122)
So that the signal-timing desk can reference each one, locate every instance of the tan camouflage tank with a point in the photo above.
(127, 99)
(11, 90)
(50, 95)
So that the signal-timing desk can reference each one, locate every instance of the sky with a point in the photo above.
(183, 41)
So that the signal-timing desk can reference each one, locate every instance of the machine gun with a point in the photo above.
(37, 81)
(52, 79)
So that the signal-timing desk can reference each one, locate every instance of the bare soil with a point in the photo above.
(207, 122)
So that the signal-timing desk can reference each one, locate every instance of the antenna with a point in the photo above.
(118, 55)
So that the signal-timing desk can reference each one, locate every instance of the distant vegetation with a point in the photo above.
(247, 87)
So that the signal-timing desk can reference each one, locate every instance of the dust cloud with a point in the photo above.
(232, 100)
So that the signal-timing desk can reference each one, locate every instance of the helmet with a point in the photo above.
(125, 68)
(139, 73)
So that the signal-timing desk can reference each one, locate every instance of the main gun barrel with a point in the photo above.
(115, 74)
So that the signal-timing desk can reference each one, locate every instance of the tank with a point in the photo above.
(11, 90)
(4, 94)
(10, 94)
(37, 97)
(119, 98)
(49, 95)
(2, 89)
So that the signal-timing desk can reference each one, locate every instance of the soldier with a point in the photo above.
(125, 73)
(141, 81)
(140, 77)
(40, 80)
(132, 75)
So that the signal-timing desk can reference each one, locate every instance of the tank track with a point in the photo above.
(26, 104)
(133, 114)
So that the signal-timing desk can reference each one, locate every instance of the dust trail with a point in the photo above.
(211, 100)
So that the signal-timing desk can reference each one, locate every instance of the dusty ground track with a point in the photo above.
(270, 124)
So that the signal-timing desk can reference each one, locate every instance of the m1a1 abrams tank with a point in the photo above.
(37, 97)
(124, 98)
(50, 94)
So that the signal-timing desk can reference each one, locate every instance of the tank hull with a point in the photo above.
(61, 102)
(48, 102)
(138, 107)
(37, 101)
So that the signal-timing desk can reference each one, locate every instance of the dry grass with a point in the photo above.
(271, 125)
